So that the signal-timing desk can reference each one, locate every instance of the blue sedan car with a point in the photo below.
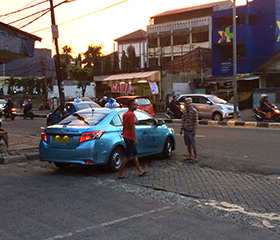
(71, 107)
(94, 137)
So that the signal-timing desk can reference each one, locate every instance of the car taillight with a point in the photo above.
(44, 135)
(86, 136)
(13, 109)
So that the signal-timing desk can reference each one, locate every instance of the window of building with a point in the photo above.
(165, 41)
(181, 39)
(200, 37)
(152, 42)
(253, 20)
(240, 20)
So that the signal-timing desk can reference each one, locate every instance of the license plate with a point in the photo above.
(61, 139)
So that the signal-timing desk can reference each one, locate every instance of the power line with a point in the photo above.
(28, 16)
(84, 15)
(46, 11)
(7, 14)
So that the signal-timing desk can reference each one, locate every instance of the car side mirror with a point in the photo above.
(208, 102)
(161, 122)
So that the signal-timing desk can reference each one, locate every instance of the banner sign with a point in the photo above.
(122, 88)
(153, 87)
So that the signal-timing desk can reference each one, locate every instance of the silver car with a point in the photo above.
(210, 106)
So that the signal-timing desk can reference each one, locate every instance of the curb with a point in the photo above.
(230, 123)
(6, 159)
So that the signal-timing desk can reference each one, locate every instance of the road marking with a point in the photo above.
(106, 224)
(199, 136)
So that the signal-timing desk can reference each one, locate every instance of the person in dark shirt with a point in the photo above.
(265, 105)
(174, 106)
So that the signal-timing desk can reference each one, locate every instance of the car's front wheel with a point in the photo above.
(167, 149)
(217, 117)
(116, 159)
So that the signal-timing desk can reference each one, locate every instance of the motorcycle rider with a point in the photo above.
(27, 107)
(265, 105)
(174, 106)
(8, 106)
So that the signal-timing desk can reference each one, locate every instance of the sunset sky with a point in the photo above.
(85, 22)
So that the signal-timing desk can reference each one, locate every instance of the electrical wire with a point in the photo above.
(29, 16)
(25, 8)
(83, 16)
(47, 10)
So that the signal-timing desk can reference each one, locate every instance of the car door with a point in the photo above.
(204, 107)
(148, 135)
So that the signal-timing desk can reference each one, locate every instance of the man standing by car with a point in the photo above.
(129, 135)
(189, 125)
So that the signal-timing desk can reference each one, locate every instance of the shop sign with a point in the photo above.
(153, 87)
(122, 88)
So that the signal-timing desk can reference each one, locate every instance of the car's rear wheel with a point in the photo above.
(62, 165)
(116, 159)
(167, 149)
(217, 117)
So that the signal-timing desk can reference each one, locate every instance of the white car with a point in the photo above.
(2, 103)
(210, 106)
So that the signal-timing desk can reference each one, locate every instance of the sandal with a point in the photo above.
(122, 177)
(145, 172)
(193, 160)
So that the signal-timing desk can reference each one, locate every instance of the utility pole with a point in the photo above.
(57, 60)
(234, 62)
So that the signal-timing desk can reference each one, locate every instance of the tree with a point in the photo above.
(11, 82)
(82, 75)
(124, 62)
(116, 67)
(65, 59)
(93, 58)
(132, 60)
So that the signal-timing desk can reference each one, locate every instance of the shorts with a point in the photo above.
(189, 139)
(130, 148)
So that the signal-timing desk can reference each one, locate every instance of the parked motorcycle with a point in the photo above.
(10, 113)
(271, 115)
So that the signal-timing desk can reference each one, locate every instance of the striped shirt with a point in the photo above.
(189, 119)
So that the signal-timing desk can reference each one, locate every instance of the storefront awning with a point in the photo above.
(137, 77)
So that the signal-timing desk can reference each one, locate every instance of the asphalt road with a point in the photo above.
(226, 148)
(41, 202)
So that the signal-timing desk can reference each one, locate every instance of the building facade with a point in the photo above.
(174, 33)
(257, 34)
(137, 40)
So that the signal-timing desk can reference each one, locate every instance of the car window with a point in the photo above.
(91, 118)
(144, 119)
(142, 101)
(202, 100)
(83, 106)
(182, 99)
(123, 101)
(117, 120)
(217, 100)
(195, 99)
(93, 105)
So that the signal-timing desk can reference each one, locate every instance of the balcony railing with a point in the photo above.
(179, 25)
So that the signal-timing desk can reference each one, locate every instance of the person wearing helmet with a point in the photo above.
(103, 101)
(265, 106)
